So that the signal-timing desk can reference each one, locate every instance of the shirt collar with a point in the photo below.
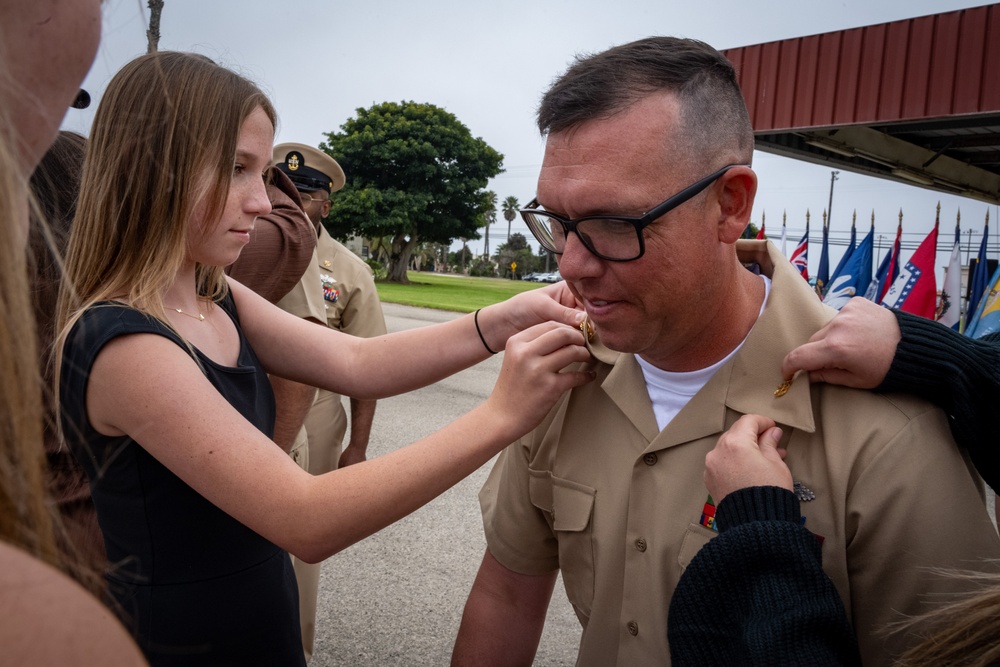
(748, 382)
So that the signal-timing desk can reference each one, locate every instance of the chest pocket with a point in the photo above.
(694, 539)
(569, 507)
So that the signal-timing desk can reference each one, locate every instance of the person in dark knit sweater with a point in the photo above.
(871, 347)
(757, 594)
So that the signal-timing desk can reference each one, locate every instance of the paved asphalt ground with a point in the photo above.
(397, 597)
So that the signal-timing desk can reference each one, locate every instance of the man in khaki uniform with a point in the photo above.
(338, 291)
(609, 489)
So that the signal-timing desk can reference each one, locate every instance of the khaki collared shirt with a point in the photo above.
(338, 290)
(600, 493)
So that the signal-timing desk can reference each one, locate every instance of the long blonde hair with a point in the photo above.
(963, 632)
(163, 143)
(26, 518)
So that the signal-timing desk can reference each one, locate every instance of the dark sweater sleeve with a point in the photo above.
(959, 374)
(757, 593)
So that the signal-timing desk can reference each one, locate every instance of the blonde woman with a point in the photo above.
(47, 618)
(163, 384)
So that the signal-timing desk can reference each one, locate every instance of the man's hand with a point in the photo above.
(746, 455)
(352, 455)
(854, 349)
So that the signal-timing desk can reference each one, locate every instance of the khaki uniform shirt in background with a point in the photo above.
(338, 289)
(599, 493)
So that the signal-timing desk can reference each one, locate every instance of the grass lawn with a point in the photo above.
(451, 292)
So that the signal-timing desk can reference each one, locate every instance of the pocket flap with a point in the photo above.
(694, 539)
(569, 503)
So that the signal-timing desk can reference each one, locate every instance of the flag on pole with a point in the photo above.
(800, 256)
(949, 310)
(760, 232)
(915, 290)
(888, 270)
(823, 274)
(986, 319)
(855, 277)
(850, 249)
(980, 277)
(784, 235)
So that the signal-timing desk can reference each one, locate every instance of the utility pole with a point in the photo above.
(829, 206)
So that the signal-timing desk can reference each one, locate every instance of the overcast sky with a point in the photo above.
(489, 62)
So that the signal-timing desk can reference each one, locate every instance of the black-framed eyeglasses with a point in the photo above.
(613, 238)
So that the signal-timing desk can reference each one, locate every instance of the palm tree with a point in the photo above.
(510, 209)
(491, 217)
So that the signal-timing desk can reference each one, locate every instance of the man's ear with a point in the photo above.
(324, 210)
(738, 189)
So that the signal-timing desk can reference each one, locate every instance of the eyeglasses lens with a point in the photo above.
(607, 237)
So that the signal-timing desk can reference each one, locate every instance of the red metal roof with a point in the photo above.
(927, 67)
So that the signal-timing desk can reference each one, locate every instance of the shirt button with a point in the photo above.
(640, 544)
(633, 628)
(649, 459)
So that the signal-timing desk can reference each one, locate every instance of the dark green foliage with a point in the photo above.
(414, 173)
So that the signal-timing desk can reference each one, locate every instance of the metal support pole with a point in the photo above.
(829, 206)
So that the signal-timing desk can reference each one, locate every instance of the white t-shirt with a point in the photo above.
(670, 391)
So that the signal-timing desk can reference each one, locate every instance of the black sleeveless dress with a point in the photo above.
(195, 586)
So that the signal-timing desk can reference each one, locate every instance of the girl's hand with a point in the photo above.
(532, 378)
(553, 303)
(746, 455)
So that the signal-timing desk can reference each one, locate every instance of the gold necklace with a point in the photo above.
(200, 316)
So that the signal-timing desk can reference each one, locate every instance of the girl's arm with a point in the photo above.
(395, 363)
(145, 386)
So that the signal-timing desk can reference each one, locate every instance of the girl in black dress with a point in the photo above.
(163, 376)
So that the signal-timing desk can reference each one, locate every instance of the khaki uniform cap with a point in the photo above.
(302, 160)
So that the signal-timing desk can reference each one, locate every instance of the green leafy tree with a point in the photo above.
(510, 209)
(517, 242)
(516, 251)
(460, 259)
(483, 267)
(415, 174)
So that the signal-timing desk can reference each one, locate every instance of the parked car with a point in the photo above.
(552, 277)
(532, 277)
